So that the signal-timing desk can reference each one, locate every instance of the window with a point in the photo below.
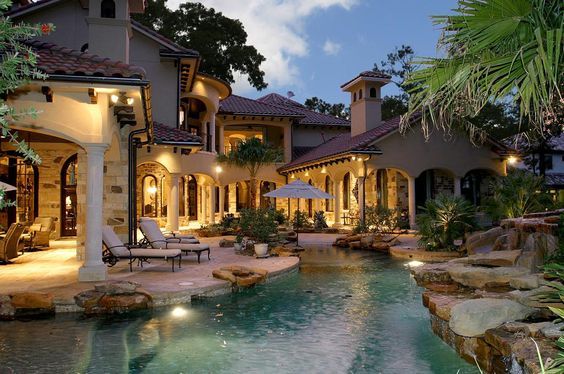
(329, 190)
(354, 96)
(548, 162)
(372, 92)
(360, 94)
(69, 175)
(108, 9)
(149, 196)
(346, 190)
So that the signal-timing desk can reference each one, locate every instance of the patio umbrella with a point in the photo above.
(7, 187)
(299, 190)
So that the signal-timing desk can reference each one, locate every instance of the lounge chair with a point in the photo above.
(186, 238)
(9, 246)
(156, 239)
(116, 250)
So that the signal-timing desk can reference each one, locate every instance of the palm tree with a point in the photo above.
(495, 50)
(252, 154)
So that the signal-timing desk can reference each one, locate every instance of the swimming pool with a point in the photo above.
(344, 312)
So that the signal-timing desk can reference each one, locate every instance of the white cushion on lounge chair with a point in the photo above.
(157, 240)
(182, 246)
(150, 252)
(147, 221)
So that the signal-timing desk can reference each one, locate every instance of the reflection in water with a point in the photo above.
(345, 311)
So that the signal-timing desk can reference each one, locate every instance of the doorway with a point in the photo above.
(69, 174)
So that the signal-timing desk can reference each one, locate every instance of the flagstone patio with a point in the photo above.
(55, 271)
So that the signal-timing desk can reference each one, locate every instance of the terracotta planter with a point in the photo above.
(261, 249)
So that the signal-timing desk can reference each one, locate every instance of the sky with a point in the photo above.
(314, 46)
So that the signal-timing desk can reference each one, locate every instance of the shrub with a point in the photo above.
(300, 220)
(379, 219)
(517, 194)
(279, 216)
(319, 221)
(444, 219)
(258, 224)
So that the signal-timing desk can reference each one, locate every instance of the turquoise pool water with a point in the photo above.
(345, 312)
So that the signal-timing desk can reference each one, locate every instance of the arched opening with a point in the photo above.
(108, 9)
(267, 202)
(310, 203)
(360, 94)
(192, 198)
(149, 193)
(226, 199)
(241, 195)
(476, 185)
(182, 197)
(372, 92)
(163, 189)
(329, 203)
(346, 191)
(354, 96)
(69, 177)
(431, 183)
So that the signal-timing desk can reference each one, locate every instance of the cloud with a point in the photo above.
(277, 29)
(331, 48)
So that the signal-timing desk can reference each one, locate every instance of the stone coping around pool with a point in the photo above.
(192, 281)
(418, 254)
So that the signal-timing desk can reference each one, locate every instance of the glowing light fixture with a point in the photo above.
(130, 101)
(179, 312)
(414, 264)
(512, 160)
(307, 173)
(114, 98)
(218, 169)
(292, 176)
(324, 170)
(152, 190)
(353, 158)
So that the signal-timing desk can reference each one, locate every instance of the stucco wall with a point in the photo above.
(312, 136)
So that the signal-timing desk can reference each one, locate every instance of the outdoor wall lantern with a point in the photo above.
(512, 160)
(123, 109)
(121, 99)
(218, 169)
(152, 190)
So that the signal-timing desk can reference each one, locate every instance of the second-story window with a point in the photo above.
(108, 9)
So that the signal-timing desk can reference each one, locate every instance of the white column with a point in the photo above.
(457, 186)
(337, 209)
(288, 143)
(211, 189)
(93, 269)
(172, 209)
(221, 202)
(221, 135)
(411, 198)
(212, 132)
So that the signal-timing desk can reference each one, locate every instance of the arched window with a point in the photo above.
(149, 194)
(372, 92)
(329, 190)
(108, 9)
(354, 96)
(192, 198)
(360, 94)
(69, 174)
(346, 191)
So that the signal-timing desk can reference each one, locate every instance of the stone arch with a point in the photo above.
(432, 182)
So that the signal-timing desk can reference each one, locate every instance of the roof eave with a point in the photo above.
(358, 79)
(331, 158)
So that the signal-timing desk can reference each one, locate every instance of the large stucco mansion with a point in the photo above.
(130, 127)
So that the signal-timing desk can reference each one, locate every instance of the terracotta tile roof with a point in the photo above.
(343, 144)
(241, 105)
(369, 74)
(554, 179)
(55, 59)
(166, 134)
(310, 117)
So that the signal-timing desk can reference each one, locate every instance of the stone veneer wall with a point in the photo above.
(443, 183)
(116, 192)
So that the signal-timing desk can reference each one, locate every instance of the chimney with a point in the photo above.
(366, 100)
(109, 27)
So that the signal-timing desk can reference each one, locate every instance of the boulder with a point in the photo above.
(483, 241)
(473, 317)
(381, 246)
(552, 330)
(482, 277)
(224, 275)
(498, 258)
(431, 273)
(32, 304)
(531, 297)
(7, 310)
(117, 288)
(240, 275)
(117, 304)
(525, 282)
(226, 243)
(366, 241)
(355, 245)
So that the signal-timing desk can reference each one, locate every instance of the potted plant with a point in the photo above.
(259, 224)
(238, 242)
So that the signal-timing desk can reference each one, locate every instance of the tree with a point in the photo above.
(495, 50)
(221, 41)
(339, 110)
(18, 66)
(252, 154)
